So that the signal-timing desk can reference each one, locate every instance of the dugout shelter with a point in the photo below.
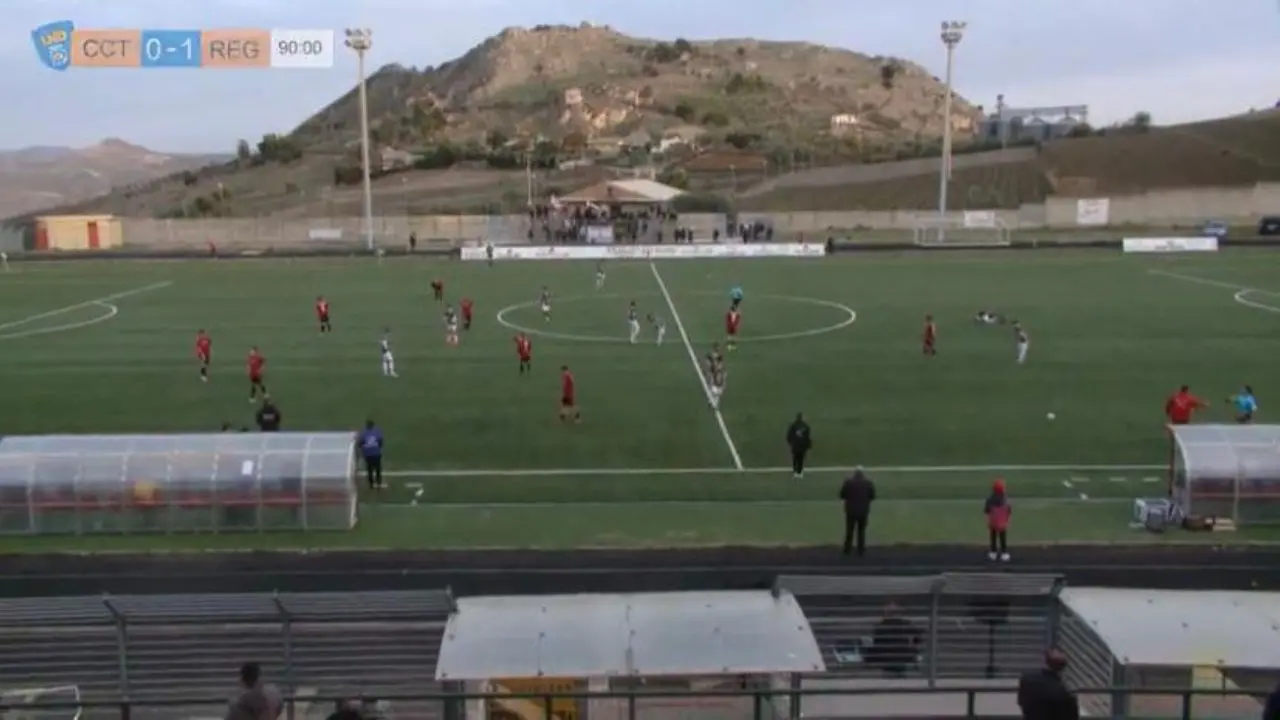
(1226, 471)
(198, 483)
(558, 645)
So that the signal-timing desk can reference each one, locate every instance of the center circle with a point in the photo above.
(850, 316)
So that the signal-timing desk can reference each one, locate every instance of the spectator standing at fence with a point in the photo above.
(800, 440)
(257, 700)
(857, 493)
(998, 511)
(370, 442)
(1043, 695)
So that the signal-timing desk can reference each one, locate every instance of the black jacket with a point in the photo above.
(894, 644)
(1272, 711)
(1043, 696)
(858, 492)
(799, 438)
(269, 418)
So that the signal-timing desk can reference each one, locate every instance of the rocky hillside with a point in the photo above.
(36, 178)
(590, 82)
(576, 93)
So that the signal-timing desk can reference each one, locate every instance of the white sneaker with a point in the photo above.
(1004, 557)
(992, 556)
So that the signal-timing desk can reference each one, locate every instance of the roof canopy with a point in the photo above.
(684, 634)
(1229, 451)
(1229, 629)
(632, 192)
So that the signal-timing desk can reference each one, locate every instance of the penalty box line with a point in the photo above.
(923, 469)
(697, 369)
(104, 300)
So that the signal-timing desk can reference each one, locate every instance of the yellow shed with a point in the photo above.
(78, 232)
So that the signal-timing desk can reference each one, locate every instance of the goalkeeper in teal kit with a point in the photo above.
(735, 297)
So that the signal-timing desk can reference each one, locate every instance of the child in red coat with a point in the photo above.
(998, 511)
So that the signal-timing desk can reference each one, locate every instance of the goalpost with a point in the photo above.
(24, 703)
(977, 228)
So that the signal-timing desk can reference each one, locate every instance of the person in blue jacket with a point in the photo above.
(370, 443)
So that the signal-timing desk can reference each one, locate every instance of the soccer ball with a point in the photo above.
(1050, 416)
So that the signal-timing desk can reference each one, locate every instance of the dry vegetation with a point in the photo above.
(1237, 151)
(552, 94)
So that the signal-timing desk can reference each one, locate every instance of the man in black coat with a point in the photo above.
(268, 417)
(857, 494)
(800, 440)
(1043, 695)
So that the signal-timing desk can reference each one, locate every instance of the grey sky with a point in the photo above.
(1179, 60)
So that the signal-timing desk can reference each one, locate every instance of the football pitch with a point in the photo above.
(478, 457)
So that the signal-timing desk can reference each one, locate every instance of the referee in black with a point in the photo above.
(800, 440)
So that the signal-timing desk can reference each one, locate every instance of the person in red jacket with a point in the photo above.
(998, 511)
(1180, 406)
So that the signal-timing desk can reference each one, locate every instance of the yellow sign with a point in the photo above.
(535, 708)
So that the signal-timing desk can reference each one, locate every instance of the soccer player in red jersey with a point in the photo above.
(1181, 405)
(467, 309)
(437, 290)
(930, 336)
(568, 397)
(524, 349)
(732, 320)
(254, 365)
(204, 353)
(322, 314)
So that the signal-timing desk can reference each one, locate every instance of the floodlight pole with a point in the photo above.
(360, 40)
(952, 31)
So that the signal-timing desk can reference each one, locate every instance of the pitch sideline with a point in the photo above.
(614, 472)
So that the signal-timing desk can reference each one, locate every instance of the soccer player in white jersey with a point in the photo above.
(388, 360)
(633, 322)
(1022, 341)
(450, 326)
(544, 302)
(715, 385)
(659, 328)
(600, 276)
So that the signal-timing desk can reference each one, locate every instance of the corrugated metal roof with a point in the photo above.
(625, 191)
(1229, 451)
(695, 633)
(1230, 629)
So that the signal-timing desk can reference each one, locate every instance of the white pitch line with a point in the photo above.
(933, 469)
(1041, 501)
(106, 299)
(697, 369)
(1240, 290)
(111, 312)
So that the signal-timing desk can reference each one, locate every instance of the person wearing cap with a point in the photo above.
(1042, 694)
(998, 511)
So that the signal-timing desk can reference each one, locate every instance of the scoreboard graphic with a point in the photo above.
(61, 46)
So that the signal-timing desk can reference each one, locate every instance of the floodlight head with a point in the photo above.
(952, 31)
(358, 39)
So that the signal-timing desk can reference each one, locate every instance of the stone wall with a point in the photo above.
(1167, 208)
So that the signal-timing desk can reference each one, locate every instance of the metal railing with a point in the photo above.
(757, 704)
(965, 625)
(151, 648)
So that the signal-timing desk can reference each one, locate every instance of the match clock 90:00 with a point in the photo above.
(299, 47)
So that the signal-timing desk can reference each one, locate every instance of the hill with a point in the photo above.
(36, 178)
(1237, 151)
(567, 93)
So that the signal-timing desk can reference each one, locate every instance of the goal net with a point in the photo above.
(974, 229)
(25, 703)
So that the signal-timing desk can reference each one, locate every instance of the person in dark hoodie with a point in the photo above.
(998, 510)
(1042, 695)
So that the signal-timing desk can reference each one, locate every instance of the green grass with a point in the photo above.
(1109, 341)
